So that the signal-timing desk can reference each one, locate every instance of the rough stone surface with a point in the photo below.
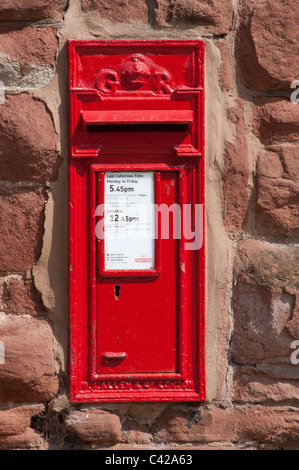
(260, 324)
(290, 161)
(19, 296)
(95, 426)
(277, 212)
(280, 215)
(235, 181)
(264, 302)
(268, 265)
(266, 322)
(28, 373)
(31, 9)
(216, 15)
(36, 46)
(28, 440)
(27, 57)
(27, 141)
(118, 10)
(279, 161)
(269, 165)
(136, 433)
(16, 420)
(225, 73)
(267, 29)
(255, 386)
(21, 220)
(275, 119)
(236, 424)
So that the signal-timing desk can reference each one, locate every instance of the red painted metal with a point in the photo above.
(135, 335)
(140, 117)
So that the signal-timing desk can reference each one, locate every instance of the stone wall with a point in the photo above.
(252, 195)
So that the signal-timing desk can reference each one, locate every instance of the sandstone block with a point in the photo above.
(254, 386)
(269, 164)
(28, 440)
(27, 141)
(264, 302)
(290, 156)
(266, 322)
(267, 41)
(37, 46)
(20, 296)
(235, 424)
(136, 433)
(16, 420)
(28, 373)
(279, 161)
(260, 323)
(273, 267)
(275, 119)
(27, 58)
(215, 15)
(118, 11)
(235, 181)
(95, 426)
(277, 211)
(31, 9)
(225, 73)
(21, 220)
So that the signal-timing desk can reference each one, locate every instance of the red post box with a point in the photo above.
(136, 245)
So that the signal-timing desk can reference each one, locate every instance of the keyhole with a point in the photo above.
(117, 291)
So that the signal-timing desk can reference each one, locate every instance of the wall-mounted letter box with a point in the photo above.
(136, 221)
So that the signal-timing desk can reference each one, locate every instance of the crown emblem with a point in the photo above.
(135, 73)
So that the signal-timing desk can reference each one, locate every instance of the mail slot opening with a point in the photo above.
(183, 128)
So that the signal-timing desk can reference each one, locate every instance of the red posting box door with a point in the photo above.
(137, 323)
(137, 290)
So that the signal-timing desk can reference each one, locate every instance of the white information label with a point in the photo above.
(129, 221)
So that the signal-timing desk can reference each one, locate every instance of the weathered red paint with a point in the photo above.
(135, 106)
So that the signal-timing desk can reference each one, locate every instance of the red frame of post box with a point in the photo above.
(162, 98)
